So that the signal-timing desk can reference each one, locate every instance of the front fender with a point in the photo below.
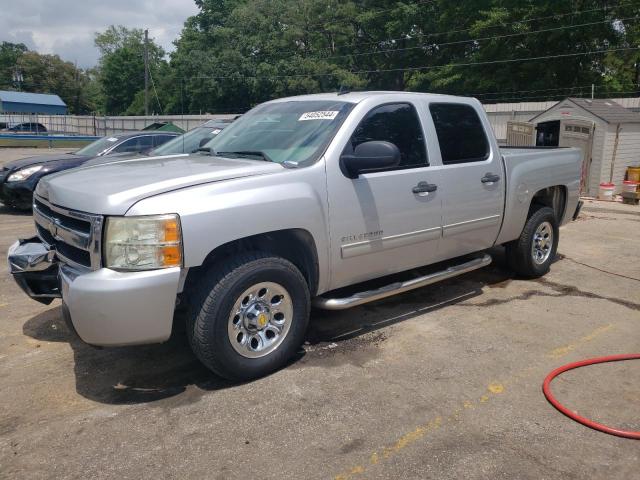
(218, 213)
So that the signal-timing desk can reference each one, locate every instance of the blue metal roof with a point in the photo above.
(33, 98)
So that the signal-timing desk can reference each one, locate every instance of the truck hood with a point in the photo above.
(111, 189)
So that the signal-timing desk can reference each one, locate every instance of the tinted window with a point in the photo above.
(396, 123)
(136, 144)
(161, 139)
(96, 148)
(460, 133)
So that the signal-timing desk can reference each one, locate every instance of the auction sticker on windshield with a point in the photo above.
(322, 115)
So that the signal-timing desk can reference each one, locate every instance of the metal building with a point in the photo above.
(607, 133)
(30, 103)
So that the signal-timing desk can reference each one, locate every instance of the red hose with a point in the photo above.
(546, 388)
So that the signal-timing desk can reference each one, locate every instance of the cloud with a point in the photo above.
(67, 27)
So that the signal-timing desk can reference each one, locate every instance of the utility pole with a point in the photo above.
(146, 72)
(593, 90)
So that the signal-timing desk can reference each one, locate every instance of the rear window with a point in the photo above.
(460, 133)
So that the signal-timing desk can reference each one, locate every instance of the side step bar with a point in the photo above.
(400, 287)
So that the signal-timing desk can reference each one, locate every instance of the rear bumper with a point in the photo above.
(106, 307)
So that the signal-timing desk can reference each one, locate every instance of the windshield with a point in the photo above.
(295, 131)
(96, 148)
(190, 141)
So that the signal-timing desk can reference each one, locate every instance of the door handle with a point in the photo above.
(423, 189)
(490, 178)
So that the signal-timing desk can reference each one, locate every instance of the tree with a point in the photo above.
(236, 53)
(9, 55)
(121, 68)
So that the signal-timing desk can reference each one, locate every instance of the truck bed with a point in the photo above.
(530, 169)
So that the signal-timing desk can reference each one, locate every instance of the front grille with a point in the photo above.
(82, 226)
(69, 252)
(75, 236)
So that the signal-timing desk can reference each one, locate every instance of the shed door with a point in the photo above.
(520, 134)
(579, 133)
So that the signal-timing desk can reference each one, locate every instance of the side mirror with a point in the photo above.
(369, 156)
(204, 141)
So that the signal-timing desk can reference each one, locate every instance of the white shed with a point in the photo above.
(608, 134)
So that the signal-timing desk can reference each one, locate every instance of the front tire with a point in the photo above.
(532, 254)
(248, 316)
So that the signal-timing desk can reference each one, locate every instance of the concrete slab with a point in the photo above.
(443, 382)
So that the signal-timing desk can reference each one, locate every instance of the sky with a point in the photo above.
(67, 27)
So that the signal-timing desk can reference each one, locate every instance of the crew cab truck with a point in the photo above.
(298, 199)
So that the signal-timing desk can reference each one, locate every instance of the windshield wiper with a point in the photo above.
(248, 153)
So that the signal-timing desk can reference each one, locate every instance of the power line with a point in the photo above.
(606, 94)
(422, 68)
(472, 40)
(518, 22)
(427, 35)
(156, 93)
(530, 91)
(374, 13)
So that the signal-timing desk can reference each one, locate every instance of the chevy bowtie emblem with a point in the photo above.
(53, 229)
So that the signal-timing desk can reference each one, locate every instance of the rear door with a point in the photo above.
(378, 225)
(472, 179)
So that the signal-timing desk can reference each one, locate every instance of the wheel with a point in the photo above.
(532, 254)
(248, 316)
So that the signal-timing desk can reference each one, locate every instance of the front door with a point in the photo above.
(378, 224)
(472, 177)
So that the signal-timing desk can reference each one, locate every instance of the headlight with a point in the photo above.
(143, 243)
(24, 173)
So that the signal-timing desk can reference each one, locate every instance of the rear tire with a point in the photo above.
(532, 254)
(248, 316)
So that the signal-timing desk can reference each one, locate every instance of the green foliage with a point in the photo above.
(9, 54)
(44, 74)
(236, 53)
(121, 69)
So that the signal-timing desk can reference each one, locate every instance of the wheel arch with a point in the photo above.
(296, 245)
(518, 209)
(554, 197)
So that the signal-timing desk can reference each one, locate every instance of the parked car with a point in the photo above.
(299, 202)
(18, 178)
(189, 142)
(192, 140)
(28, 127)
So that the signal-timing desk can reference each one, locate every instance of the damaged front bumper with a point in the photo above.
(35, 269)
(105, 307)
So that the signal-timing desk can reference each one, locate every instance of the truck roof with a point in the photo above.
(356, 97)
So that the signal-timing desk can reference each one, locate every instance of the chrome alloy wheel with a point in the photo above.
(260, 319)
(542, 243)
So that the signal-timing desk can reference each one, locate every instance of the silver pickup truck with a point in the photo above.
(302, 201)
